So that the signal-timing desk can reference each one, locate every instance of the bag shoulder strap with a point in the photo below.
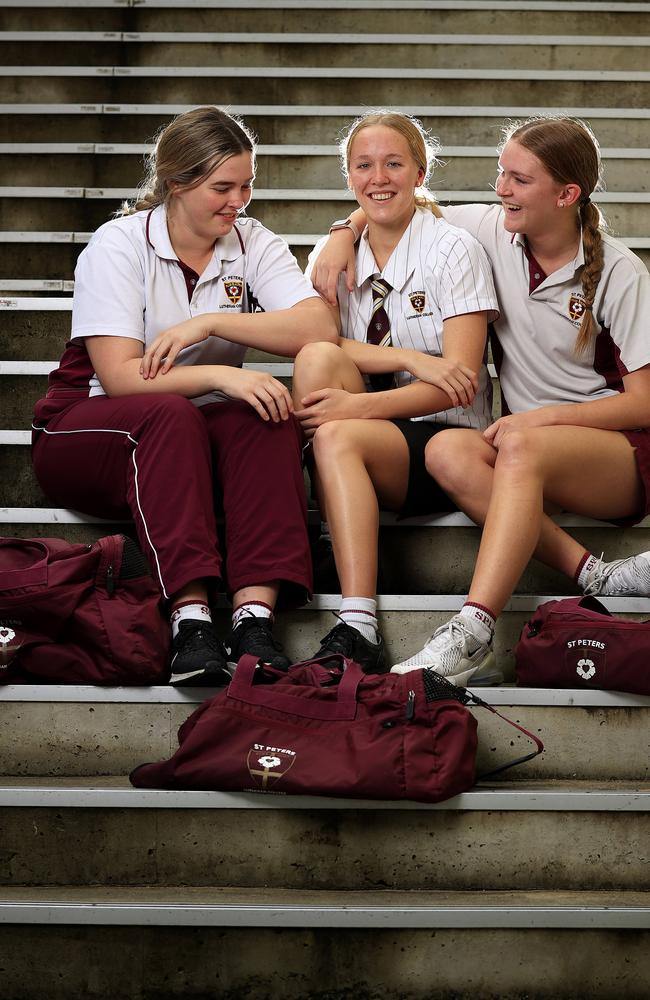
(437, 688)
(279, 697)
(539, 746)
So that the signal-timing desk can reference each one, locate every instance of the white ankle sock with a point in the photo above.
(479, 619)
(249, 608)
(190, 610)
(590, 564)
(361, 613)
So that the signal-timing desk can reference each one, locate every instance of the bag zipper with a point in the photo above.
(550, 626)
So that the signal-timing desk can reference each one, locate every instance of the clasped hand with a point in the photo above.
(323, 405)
(456, 379)
(495, 433)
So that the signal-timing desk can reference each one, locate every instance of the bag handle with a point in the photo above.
(539, 746)
(27, 576)
(344, 707)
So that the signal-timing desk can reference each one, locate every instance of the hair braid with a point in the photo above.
(592, 241)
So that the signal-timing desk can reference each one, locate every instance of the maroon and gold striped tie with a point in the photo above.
(379, 330)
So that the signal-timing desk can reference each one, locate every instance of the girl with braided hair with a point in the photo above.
(573, 356)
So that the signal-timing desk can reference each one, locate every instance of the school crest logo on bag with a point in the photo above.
(266, 765)
(418, 301)
(9, 645)
(586, 669)
(234, 289)
(577, 306)
(586, 658)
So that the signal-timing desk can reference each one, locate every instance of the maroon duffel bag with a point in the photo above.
(577, 643)
(324, 731)
(80, 614)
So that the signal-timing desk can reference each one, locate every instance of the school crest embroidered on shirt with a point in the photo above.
(234, 289)
(417, 300)
(577, 306)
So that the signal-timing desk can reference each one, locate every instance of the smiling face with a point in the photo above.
(533, 201)
(383, 176)
(208, 210)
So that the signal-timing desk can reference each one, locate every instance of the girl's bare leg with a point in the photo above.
(582, 469)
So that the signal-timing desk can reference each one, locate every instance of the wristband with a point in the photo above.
(346, 224)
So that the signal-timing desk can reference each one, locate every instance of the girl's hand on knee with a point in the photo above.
(495, 433)
(324, 405)
(268, 397)
(162, 353)
(456, 379)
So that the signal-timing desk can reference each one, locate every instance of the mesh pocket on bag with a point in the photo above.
(134, 563)
(437, 688)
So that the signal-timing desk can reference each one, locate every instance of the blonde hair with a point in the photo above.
(186, 151)
(569, 151)
(422, 146)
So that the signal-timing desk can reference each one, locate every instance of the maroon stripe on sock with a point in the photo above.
(247, 604)
(581, 564)
(186, 604)
(357, 611)
(481, 607)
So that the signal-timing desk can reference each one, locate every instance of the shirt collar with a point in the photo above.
(519, 239)
(401, 263)
(225, 249)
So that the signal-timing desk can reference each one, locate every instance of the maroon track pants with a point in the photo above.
(162, 461)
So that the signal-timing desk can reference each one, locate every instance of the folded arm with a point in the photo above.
(117, 362)
(463, 345)
(283, 331)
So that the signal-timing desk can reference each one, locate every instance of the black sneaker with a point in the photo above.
(199, 659)
(254, 636)
(347, 640)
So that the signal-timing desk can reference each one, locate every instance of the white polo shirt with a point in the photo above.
(436, 271)
(129, 283)
(540, 317)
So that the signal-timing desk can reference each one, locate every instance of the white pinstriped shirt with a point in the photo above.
(436, 271)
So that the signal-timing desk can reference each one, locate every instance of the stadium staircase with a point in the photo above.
(534, 887)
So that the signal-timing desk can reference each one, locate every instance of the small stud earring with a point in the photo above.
(561, 204)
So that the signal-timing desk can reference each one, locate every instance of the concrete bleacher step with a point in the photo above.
(272, 945)
(371, 85)
(215, 906)
(585, 836)
(82, 731)
(249, 49)
(578, 18)
(300, 123)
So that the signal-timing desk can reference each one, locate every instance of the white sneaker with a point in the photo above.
(621, 577)
(457, 654)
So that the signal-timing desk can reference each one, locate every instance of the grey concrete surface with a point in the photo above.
(453, 850)
(395, 90)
